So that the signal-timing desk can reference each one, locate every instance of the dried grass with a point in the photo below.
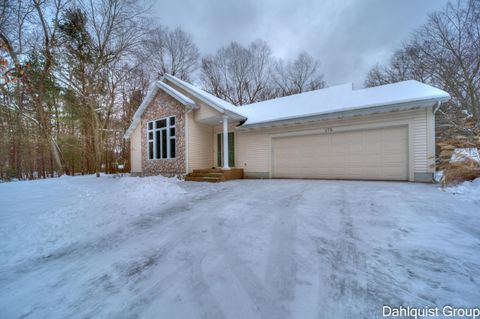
(458, 172)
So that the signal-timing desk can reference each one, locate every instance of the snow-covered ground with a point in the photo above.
(159, 248)
(470, 189)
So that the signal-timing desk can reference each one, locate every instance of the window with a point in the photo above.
(161, 138)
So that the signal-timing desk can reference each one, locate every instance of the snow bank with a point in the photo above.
(468, 188)
(42, 216)
(148, 192)
(463, 154)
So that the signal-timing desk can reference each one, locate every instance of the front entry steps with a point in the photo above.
(214, 175)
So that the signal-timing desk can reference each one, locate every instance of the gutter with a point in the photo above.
(343, 113)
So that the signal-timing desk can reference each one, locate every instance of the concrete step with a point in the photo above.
(201, 174)
(214, 175)
(208, 170)
(203, 179)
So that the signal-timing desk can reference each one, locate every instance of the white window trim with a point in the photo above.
(169, 138)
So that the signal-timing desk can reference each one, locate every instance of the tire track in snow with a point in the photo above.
(260, 294)
(198, 285)
(185, 227)
(163, 218)
(210, 308)
(130, 273)
(281, 267)
(175, 218)
(345, 277)
(147, 296)
(270, 296)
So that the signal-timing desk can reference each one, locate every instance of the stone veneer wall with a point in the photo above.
(164, 105)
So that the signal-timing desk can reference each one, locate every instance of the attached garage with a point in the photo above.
(381, 133)
(378, 154)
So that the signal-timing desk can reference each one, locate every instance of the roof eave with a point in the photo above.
(204, 99)
(382, 108)
(235, 116)
(200, 97)
(179, 97)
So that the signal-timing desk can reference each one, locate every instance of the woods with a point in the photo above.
(445, 52)
(65, 89)
(74, 72)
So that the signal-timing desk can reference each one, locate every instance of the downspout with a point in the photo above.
(189, 109)
(435, 109)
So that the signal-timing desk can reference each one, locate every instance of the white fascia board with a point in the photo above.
(345, 113)
(152, 90)
(199, 96)
(175, 94)
(205, 99)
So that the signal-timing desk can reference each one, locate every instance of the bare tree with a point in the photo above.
(172, 52)
(239, 74)
(71, 79)
(98, 37)
(444, 52)
(299, 75)
(451, 41)
(244, 75)
(407, 63)
(34, 80)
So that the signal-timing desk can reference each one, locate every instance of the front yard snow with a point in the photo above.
(39, 217)
(82, 247)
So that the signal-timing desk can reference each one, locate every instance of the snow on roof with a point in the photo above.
(208, 98)
(152, 91)
(182, 98)
(339, 98)
(335, 99)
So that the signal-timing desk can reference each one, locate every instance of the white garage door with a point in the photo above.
(368, 154)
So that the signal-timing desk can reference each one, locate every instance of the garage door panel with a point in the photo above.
(367, 154)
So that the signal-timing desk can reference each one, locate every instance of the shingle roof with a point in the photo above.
(340, 98)
(336, 99)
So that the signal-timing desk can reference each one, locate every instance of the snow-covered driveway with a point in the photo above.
(157, 248)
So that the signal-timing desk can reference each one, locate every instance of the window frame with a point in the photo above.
(157, 153)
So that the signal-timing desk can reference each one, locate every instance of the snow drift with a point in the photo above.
(63, 211)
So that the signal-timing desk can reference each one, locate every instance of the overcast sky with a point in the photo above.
(347, 36)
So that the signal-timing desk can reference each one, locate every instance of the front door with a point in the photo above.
(231, 150)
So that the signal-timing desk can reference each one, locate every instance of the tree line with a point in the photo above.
(72, 74)
(444, 52)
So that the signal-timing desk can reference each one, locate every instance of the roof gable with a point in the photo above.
(157, 85)
(209, 99)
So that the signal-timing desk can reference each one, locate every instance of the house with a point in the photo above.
(380, 133)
